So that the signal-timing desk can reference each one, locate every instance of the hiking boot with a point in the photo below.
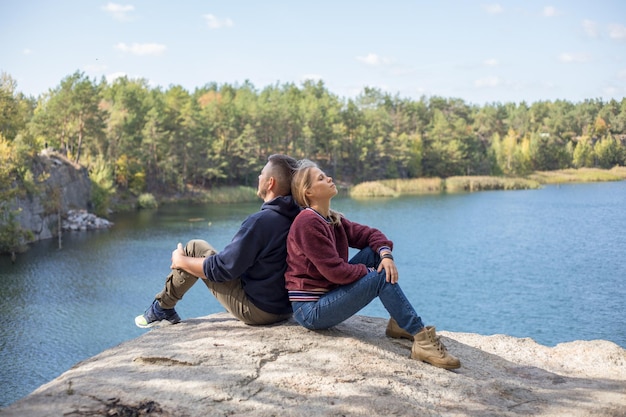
(155, 314)
(428, 348)
(397, 332)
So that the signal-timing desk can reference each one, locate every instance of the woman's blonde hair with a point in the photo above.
(301, 182)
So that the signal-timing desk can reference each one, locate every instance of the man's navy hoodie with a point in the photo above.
(257, 254)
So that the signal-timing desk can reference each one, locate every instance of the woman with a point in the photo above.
(325, 289)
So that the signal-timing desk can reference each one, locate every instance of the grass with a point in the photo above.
(579, 175)
(485, 183)
(415, 185)
(398, 187)
(218, 195)
(225, 195)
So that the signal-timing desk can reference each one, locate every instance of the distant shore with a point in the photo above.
(416, 186)
(398, 187)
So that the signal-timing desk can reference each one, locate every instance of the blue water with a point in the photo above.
(547, 264)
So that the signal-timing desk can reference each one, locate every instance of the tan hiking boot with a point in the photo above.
(428, 348)
(397, 332)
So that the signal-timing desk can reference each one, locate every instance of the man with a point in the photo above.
(247, 276)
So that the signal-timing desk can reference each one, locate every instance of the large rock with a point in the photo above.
(61, 176)
(216, 365)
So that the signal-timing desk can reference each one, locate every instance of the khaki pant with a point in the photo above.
(230, 294)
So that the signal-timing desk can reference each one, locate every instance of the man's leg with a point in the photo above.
(178, 282)
(231, 295)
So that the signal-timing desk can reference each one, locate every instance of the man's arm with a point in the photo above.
(194, 266)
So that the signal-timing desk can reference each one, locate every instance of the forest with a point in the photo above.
(135, 138)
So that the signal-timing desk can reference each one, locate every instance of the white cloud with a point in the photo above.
(142, 48)
(491, 62)
(591, 28)
(119, 11)
(27, 51)
(373, 60)
(617, 32)
(567, 58)
(492, 8)
(487, 82)
(216, 23)
(550, 11)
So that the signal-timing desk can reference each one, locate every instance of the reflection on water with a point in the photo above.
(547, 264)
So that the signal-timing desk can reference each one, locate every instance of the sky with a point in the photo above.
(480, 52)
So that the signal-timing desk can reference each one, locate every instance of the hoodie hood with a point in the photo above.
(284, 205)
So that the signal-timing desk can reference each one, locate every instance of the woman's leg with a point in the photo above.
(367, 257)
(342, 303)
(405, 316)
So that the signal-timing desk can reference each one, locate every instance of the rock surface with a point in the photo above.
(69, 180)
(81, 220)
(216, 365)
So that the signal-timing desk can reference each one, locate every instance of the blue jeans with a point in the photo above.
(343, 302)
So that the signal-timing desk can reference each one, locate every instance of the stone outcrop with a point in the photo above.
(217, 366)
(72, 186)
(80, 220)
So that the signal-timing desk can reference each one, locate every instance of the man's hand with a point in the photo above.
(178, 256)
(189, 264)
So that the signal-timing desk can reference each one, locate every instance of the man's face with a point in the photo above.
(263, 181)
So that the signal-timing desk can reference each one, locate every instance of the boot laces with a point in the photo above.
(438, 344)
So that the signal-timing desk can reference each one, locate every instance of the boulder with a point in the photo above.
(63, 180)
(216, 365)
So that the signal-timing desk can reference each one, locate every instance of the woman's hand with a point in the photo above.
(390, 269)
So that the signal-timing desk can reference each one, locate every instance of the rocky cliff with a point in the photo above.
(64, 180)
(217, 366)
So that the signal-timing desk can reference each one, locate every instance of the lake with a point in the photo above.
(548, 264)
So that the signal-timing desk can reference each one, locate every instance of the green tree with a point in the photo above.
(127, 104)
(15, 109)
(583, 153)
(12, 236)
(68, 117)
(609, 152)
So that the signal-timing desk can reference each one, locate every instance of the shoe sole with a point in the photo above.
(157, 323)
(438, 365)
(398, 336)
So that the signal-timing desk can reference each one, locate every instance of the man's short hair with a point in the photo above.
(282, 168)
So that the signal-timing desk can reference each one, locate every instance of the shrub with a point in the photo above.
(147, 201)
(101, 187)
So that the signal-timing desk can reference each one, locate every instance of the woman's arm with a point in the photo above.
(317, 242)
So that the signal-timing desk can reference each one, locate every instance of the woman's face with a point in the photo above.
(322, 186)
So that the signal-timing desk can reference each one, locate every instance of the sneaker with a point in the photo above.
(155, 314)
(428, 348)
(397, 332)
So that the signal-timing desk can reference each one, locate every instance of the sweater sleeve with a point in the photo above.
(361, 236)
(317, 242)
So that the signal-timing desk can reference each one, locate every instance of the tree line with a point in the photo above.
(137, 139)
(151, 139)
